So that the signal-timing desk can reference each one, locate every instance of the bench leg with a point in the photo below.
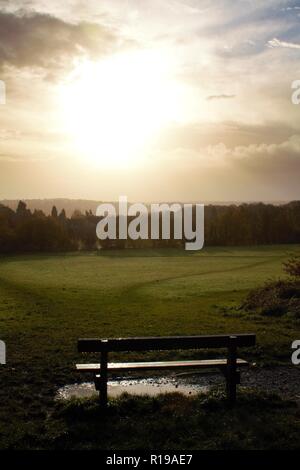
(231, 391)
(103, 380)
(231, 375)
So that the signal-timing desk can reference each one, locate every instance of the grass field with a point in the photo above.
(48, 301)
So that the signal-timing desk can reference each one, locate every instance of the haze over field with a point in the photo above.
(180, 100)
(83, 205)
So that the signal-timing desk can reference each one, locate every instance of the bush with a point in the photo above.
(292, 266)
(275, 298)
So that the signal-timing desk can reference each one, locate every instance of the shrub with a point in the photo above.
(275, 298)
(292, 266)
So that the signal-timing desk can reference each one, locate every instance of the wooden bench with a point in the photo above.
(228, 366)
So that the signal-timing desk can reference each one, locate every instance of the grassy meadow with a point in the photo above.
(48, 301)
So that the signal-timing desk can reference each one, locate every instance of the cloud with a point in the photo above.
(43, 41)
(219, 97)
(17, 159)
(278, 43)
(269, 163)
(262, 159)
(283, 157)
(290, 8)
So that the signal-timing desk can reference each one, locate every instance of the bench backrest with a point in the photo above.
(159, 343)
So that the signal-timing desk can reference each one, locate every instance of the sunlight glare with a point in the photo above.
(113, 108)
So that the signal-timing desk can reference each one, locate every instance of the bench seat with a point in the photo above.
(228, 366)
(123, 366)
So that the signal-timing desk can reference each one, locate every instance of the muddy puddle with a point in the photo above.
(149, 386)
(281, 380)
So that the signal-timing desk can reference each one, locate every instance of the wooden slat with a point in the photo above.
(121, 366)
(163, 343)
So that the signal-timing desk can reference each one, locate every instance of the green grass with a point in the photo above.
(47, 302)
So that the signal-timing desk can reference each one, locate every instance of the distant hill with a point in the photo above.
(70, 205)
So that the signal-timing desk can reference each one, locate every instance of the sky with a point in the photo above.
(159, 100)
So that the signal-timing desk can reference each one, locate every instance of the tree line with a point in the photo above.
(234, 225)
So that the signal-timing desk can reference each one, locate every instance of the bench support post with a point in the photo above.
(231, 375)
(103, 379)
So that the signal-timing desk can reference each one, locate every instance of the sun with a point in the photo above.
(113, 108)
